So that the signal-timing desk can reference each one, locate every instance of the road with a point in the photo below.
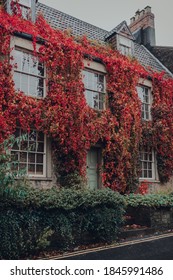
(152, 248)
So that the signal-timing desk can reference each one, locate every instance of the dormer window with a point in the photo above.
(125, 45)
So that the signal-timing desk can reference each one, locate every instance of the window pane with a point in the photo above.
(24, 145)
(25, 62)
(32, 135)
(31, 168)
(145, 174)
(39, 169)
(39, 158)
(31, 157)
(16, 146)
(89, 99)
(15, 156)
(23, 157)
(24, 83)
(22, 166)
(33, 83)
(40, 69)
(40, 136)
(17, 80)
(40, 147)
(18, 59)
(33, 65)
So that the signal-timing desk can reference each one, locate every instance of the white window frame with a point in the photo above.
(148, 166)
(29, 150)
(26, 3)
(146, 101)
(125, 49)
(25, 6)
(125, 45)
(28, 75)
(95, 98)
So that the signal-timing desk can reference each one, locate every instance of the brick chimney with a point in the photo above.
(142, 27)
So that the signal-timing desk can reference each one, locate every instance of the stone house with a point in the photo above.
(136, 40)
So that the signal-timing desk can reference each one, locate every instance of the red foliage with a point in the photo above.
(64, 115)
(143, 188)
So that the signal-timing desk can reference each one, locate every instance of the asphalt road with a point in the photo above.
(156, 248)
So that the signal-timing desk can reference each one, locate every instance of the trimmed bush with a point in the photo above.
(149, 200)
(151, 210)
(33, 220)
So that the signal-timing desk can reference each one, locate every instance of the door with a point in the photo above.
(93, 161)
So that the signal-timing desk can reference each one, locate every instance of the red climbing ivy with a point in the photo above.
(64, 116)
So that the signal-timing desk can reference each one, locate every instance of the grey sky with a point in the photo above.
(108, 14)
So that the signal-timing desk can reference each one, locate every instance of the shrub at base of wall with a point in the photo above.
(34, 220)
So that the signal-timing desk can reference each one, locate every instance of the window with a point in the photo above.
(147, 163)
(30, 153)
(125, 50)
(144, 94)
(125, 45)
(94, 83)
(25, 6)
(29, 75)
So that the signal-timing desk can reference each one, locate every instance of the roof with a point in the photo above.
(147, 59)
(165, 55)
(120, 27)
(63, 21)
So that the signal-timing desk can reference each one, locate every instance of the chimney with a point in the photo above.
(142, 27)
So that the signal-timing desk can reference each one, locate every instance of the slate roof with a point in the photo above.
(165, 55)
(147, 59)
(63, 21)
(117, 29)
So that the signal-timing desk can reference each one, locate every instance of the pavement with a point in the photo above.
(148, 248)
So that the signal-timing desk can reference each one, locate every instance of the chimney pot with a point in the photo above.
(132, 19)
(147, 9)
(142, 26)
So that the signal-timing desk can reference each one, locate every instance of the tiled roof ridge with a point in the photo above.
(85, 22)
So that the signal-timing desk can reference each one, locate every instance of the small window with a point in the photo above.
(25, 7)
(29, 74)
(94, 83)
(125, 45)
(30, 153)
(147, 163)
(144, 94)
(125, 50)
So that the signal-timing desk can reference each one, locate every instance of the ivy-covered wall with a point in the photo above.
(65, 117)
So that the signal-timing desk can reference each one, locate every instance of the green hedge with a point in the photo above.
(149, 200)
(33, 220)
